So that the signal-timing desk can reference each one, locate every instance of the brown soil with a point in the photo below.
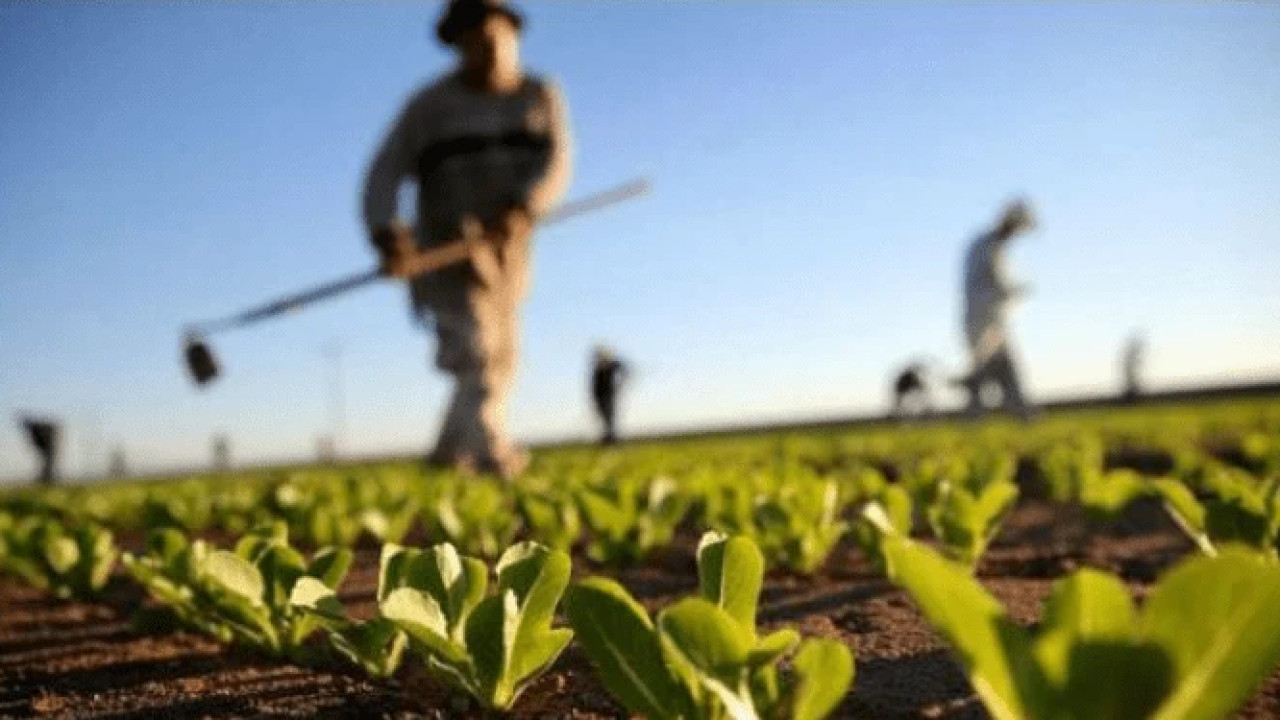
(84, 660)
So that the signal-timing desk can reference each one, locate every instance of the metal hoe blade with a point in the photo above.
(201, 362)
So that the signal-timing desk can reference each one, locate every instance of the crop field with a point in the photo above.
(1094, 564)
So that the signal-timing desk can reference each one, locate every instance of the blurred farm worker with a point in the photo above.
(988, 293)
(1131, 361)
(911, 395)
(608, 374)
(43, 436)
(488, 146)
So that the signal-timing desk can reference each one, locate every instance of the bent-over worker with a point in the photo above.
(988, 294)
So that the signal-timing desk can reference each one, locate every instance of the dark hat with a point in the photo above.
(462, 15)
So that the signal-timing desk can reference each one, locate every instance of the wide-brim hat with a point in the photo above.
(462, 15)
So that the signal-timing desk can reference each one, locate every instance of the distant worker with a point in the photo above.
(987, 297)
(119, 466)
(221, 453)
(608, 374)
(911, 394)
(1131, 362)
(43, 436)
(489, 148)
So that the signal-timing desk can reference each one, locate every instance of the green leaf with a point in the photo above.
(235, 575)
(377, 646)
(996, 653)
(457, 583)
(166, 544)
(536, 652)
(521, 567)
(490, 633)
(394, 562)
(537, 577)
(1087, 650)
(617, 636)
(772, 647)
(704, 639)
(280, 567)
(898, 509)
(421, 618)
(730, 574)
(824, 670)
(314, 596)
(1112, 492)
(62, 554)
(994, 504)
(1087, 606)
(330, 565)
(1186, 511)
(1217, 620)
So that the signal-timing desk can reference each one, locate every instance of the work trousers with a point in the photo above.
(478, 343)
(607, 408)
(998, 368)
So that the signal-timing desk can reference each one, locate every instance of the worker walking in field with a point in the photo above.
(1131, 367)
(489, 148)
(44, 436)
(988, 293)
(608, 374)
(911, 395)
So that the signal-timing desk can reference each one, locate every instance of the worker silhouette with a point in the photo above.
(911, 392)
(608, 374)
(1131, 364)
(988, 295)
(488, 145)
(44, 436)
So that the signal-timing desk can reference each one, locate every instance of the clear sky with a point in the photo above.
(818, 170)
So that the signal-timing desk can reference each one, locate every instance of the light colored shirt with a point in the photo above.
(472, 154)
(987, 297)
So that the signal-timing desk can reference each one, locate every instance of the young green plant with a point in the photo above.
(702, 659)
(489, 647)
(1206, 637)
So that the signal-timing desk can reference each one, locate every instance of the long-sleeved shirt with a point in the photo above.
(472, 154)
(987, 295)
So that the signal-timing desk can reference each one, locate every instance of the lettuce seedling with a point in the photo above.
(971, 471)
(1071, 465)
(551, 519)
(1207, 636)
(891, 509)
(1243, 511)
(240, 596)
(183, 508)
(489, 647)
(628, 521)
(475, 516)
(377, 646)
(965, 522)
(800, 524)
(1104, 495)
(389, 522)
(68, 562)
(702, 659)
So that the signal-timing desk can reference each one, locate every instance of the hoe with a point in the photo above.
(203, 364)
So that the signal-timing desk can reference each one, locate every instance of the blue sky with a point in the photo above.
(818, 170)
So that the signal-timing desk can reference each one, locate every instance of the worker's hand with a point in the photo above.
(483, 251)
(396, 250)
(516, 223)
